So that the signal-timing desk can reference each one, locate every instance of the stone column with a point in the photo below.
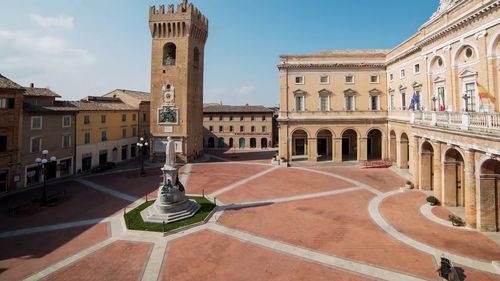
(361, 149)
(450, 185)
(470, 189)
(402, 154)
(312, 150)
(437, 184)
(383, 144)
(487, 220)
(414, 167)
(337, 151)
(290, 148)
(425, 171)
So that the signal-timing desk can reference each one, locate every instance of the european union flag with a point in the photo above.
(414, 101)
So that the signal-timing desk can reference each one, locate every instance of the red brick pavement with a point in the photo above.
(408, 220)
(474, 275)
(210, 256)
(87, 203)
(381, 179)
(441, 212)
(283, 182)
(213, 177)
(22, 256)
(256, 156)
(337, 224)
(120, 260)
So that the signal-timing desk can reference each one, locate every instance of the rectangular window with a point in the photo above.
(211, 128)
(134, 131)
(221, 128)
(373, 78)
(242, 118)
(402, 73)
(403, 101)
(124, 117)
(299, 79)
(324, 103)
(299, 102)
(66, 140)
(242, 128)
(7, 102)
(35, 144)
(263, 118)
(230, 128)
(86, 137)
(210, 118)
(103, 118)
(349, 79)
(66, 121)
(263, 129)
(391, 77)
(144, 117)
(374, 102)
(230, 118)
(349, 103)
(86, 119)
(104, 136)
(220, 118)
(392, 102)
(324, 79)
(470, 90)
(36, 123)
(253, 129)
(416, 68)
(133, 117)
(252, 118)
(3, 143)
(124, 132)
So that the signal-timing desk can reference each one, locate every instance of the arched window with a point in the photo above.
(169, 54)
(196, 57)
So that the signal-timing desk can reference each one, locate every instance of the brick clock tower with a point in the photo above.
(178, 50)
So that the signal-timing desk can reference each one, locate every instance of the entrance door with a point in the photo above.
(299, 147)
(86, 163)
(51, 170)
(369, 146)
(431, 167)
(231, 142)
(242, 142)
(459, 185)
(345, 146)
(322, 143)
(124, 153)
(3, 180)
(221, 142)
(103, 158)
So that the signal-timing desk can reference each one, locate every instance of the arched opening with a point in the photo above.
(169, 54)
(374, 144)
(242, 142)
(299, 145)
(426, 166)
(454, 178)
(211, 142)
(221, 143)
(392, 148)
(196, 57)
(324, 145)
(489, 196)
(263, 143)
(231, 144)
(404, 152)
(253, 143)
(349, 145)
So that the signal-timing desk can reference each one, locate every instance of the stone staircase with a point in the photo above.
(149, 216)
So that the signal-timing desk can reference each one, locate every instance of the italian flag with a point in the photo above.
(484, 94)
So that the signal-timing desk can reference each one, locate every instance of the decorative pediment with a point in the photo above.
(467, 73)
(350, 92)
(325, 92)
(374, 91)
(416, 84)
(402, 87)
(299, 92)
(438, 79)
(390, 89)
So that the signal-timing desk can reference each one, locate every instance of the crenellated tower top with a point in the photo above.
(184, 11)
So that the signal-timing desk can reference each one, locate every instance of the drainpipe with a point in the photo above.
(287, 122)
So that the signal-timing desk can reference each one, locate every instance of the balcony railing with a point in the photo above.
(467, 121)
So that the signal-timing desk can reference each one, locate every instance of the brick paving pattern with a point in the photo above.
(24, 255)
(253, 156)
(409, 221)
(474, 275)
(211, 253)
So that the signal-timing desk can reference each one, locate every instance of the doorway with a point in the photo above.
(231, 144)
(345, 146)
(322, 147)
(51, 170)
(369, 146)
(299, 147)
(242, 142)
(3, 180)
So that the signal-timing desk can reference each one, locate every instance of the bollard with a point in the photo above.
(146, 198)
(215, 201)
(124, 210)
(163, 226)
(203, 193)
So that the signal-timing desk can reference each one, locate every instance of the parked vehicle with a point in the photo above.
(104, 167)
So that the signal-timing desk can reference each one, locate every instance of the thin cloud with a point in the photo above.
(218, 91)
(245, 90)
(62, 21)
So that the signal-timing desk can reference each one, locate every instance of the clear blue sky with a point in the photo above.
(90, 47)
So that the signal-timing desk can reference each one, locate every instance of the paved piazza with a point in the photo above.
(272, 223)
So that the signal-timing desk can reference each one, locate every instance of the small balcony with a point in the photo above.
(485, 122)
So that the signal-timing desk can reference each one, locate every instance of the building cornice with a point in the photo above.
(329, 65)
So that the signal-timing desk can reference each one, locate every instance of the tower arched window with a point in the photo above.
(196, 57)
(169, 54)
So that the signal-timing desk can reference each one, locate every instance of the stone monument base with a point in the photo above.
(159, 213)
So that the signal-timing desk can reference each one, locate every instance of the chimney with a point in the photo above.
(32, 85)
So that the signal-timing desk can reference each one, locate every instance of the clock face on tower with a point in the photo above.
(168, 94)
(169, 97)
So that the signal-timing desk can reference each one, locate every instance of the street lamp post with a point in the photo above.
(142, 145)
(41, 163)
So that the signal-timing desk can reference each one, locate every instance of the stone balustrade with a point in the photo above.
(488, 122)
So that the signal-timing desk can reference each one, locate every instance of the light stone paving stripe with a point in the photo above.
(342, 178)
(236, 162)
(155, 262)
(234, 185)
(313, 256)
(289, 199)
(426, 211)
(51, 227)
(65, 262)
(220, 158)
(108, 190)
(376, 216)
(185, 174)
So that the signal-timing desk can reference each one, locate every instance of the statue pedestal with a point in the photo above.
(171, 204)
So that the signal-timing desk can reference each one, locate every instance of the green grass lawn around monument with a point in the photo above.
(134, 220)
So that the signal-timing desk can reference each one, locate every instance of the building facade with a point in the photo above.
(50, 128)
(247, 126)
(177, 63)
(39, 96)
(11, 105)
(106, 131)
(449, 140)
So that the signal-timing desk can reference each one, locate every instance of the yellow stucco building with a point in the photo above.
(106, 131)
(354, 105)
